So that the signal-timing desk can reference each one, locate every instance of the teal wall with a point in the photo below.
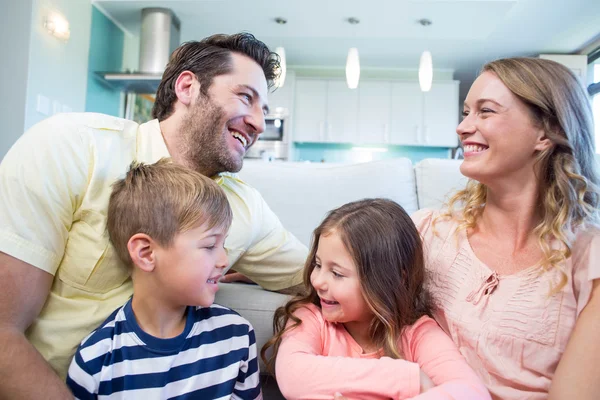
(318, 152)
(57, 69)
(106, 54)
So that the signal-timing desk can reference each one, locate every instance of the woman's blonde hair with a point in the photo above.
(568, 178)
(387, 252)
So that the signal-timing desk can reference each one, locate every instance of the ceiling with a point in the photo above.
(463, 36)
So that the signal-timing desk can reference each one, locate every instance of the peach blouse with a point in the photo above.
(508, 327)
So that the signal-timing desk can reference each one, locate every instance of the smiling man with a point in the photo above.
(59, 275)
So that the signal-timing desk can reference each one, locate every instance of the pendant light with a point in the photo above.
(352, 62)
(282, 61)
(425, 64)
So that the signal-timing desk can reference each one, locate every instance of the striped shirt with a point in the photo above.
(213, 358)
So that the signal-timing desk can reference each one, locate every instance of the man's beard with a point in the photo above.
(204, 144)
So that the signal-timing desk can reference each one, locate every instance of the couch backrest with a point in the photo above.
(437, 179)
(301, 194)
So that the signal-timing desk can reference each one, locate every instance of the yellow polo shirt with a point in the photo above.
(55, 183)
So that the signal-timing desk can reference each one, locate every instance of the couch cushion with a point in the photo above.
(301, 194)
(436, 180)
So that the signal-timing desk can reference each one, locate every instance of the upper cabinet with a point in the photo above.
(378, 112)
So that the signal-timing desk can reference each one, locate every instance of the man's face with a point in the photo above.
(221, 126)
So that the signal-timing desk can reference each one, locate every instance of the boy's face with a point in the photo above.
(189, 270)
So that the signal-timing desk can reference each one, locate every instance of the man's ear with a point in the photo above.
(186, 87)
(543, 142)
(142, 251)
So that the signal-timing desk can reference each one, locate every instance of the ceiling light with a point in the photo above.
(425, 64)
(352, 62)
(283, 67)
(425, 71)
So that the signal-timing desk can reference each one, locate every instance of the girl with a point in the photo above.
(363, 328)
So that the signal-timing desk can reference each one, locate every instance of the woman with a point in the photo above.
(514, 260)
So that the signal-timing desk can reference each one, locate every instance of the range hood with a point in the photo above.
(158, 38)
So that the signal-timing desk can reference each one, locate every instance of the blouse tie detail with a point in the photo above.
(485, 289)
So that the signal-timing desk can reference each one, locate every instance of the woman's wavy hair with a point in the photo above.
(387, 252)
(567, 171)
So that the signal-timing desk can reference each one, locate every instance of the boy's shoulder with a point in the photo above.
(216, 315)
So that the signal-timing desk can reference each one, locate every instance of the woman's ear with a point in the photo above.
(543, 142)
(142, 251)
(185, 87)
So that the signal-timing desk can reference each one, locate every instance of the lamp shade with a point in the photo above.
(352, 68)
(281, 80)
(425, 71)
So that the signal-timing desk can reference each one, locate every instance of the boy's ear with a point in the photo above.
(141, 250)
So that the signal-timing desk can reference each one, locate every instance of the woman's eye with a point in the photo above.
(317, 266)
(465, 113)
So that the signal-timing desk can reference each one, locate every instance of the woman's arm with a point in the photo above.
(439, 358)
(578, 375)
(303, 373)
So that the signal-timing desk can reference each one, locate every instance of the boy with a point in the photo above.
(168, 224)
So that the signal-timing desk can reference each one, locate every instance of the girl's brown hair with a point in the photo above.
(568, 176)
(387, 252)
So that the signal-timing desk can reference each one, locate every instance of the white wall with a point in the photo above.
(15, 32)
(57, 69)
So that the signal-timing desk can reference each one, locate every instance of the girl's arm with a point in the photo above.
(303, 373)
(577, 375)
(439, 358)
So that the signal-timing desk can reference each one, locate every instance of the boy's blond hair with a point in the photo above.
(163, 200)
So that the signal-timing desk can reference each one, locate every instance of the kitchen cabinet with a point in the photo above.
(325, 112)
(374, 112)
(378, 113)
(310, 112)
(424, 118)
(281, 100)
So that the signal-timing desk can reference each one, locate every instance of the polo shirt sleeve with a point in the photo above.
(275, 258)
(43, 178)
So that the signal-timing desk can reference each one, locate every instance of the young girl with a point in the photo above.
(363, 328)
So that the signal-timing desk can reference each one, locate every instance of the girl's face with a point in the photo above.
(336, 281)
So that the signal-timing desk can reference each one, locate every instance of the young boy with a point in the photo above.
(168, 224)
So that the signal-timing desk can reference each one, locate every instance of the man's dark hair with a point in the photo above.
(208, 58)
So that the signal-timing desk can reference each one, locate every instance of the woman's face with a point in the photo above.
(498, 133)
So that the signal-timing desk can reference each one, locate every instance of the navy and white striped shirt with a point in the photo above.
(214, 358)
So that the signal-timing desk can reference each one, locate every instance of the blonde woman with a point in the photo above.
(514, 259)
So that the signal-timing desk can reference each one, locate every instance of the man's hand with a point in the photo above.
(232, 276)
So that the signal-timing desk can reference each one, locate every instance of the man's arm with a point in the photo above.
(25, 374)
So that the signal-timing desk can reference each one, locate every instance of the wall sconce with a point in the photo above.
(58, 26)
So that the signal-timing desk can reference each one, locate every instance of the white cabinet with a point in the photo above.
(281, 100)
(374, 112)
(407, 114)
(325, 112)
(310, 110)
(424, 119)
(342, 110)
(440, 115)
(378, 112)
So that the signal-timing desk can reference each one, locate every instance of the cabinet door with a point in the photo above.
(310, 110)
(441, 115)
(407, 114)
(375, 100)
(342, 110)
(281, 100)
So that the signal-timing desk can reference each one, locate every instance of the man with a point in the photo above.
(59, 276)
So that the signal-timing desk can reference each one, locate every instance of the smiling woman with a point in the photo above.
(513, 257)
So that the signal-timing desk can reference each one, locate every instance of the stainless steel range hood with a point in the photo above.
(158, 38)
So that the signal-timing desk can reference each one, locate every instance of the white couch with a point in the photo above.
(301, 194)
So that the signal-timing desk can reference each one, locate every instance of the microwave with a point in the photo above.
(273, 143)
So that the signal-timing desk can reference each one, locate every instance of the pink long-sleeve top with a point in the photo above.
(318, 358)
